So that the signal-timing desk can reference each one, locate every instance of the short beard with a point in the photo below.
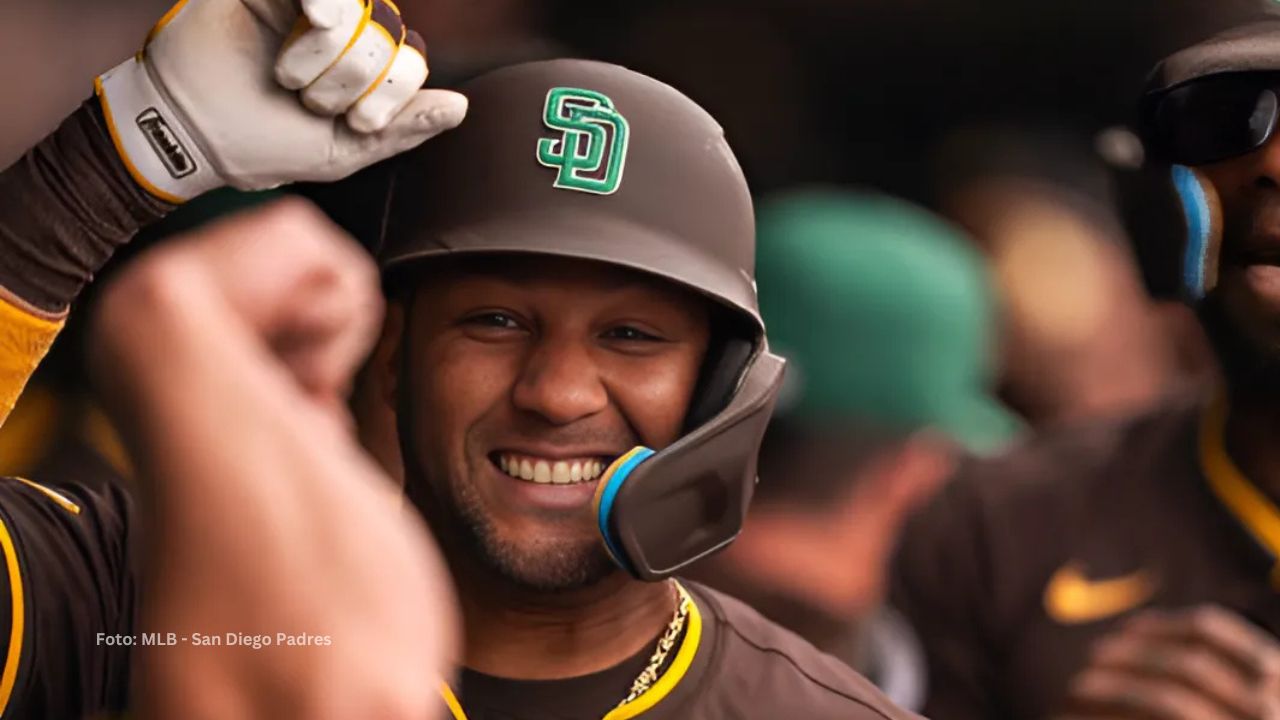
(1244, 363)
(548, 566)
(463, 530)
(458, 521)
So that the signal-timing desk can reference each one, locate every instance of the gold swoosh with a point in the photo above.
(1071, 598)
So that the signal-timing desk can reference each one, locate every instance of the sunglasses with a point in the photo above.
(1215, 118)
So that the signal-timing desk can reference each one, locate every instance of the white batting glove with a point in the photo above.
(247, 93)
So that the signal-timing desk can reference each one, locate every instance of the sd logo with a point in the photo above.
(592, 149)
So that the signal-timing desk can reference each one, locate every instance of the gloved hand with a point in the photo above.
(210, 100)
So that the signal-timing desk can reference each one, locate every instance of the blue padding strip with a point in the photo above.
(1196, 208)
(612, 485)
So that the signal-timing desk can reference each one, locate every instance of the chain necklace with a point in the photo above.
(649, 675)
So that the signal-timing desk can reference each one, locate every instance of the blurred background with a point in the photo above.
(994, 115)
(989, 113)
(861, 91)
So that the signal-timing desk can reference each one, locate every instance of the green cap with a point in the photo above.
(885, 314)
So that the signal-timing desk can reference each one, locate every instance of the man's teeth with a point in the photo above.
(551, 472)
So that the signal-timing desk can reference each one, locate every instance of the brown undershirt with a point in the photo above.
(586, 697)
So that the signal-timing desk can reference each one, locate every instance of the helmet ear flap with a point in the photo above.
(660, 512)
(1174, 218)
(720, 377)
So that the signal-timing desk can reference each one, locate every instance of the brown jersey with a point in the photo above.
(71, 591)
(736, 665)
(67, 591)
(1025, 560)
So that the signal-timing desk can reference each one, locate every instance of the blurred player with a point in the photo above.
(195, 110)
(872, 419)
(1131, 570)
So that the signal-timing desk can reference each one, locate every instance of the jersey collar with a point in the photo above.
(1252, 509)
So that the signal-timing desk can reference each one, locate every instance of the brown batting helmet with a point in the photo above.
(588, 160)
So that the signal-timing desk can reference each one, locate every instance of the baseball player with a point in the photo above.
(871, 421)
(224, 93)
(1131, 570)
(580, 372)
(581, 380)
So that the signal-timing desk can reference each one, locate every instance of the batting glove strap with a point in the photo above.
(163, 158)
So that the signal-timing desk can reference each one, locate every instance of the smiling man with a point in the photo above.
(1132, 570)
(581, 380)
(572, 346)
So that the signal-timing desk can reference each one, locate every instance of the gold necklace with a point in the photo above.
(649, 675)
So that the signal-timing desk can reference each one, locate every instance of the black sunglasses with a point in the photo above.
(1214, 118)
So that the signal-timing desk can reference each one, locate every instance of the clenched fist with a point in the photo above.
(248, 93)
(224, 357)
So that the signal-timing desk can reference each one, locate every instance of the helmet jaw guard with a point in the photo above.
(660, 512)
(1174, 216)
(1202, 212)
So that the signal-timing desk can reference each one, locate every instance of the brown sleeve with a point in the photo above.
(65, 206)
(66, 587)
(938, 583)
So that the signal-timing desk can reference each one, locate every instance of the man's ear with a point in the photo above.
(386, 360)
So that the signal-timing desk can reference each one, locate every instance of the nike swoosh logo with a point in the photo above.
(1071, 598)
